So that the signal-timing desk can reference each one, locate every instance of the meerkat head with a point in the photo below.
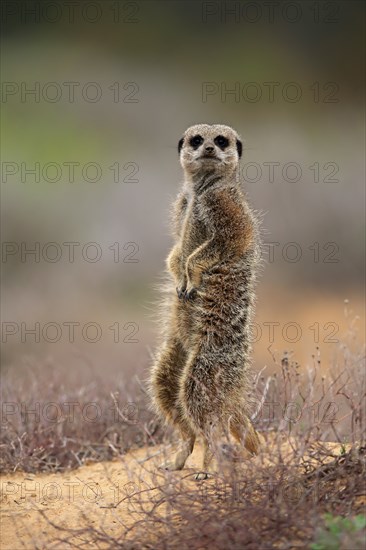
(209, 149)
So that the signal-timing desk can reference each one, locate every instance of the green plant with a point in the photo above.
(343, 449)
(338, 530)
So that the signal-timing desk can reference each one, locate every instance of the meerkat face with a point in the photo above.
(206, 148)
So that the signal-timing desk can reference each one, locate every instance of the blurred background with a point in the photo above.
(95, 96)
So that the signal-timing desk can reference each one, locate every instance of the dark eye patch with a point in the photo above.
(221, 142)
(196, 141)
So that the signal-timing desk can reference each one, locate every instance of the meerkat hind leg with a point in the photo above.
(207, 459)
(185, 449)
(165, 383)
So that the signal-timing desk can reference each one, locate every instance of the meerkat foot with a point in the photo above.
(200, 476)
(177, 463)
(179, 460)
(207, 458)
(171, 466)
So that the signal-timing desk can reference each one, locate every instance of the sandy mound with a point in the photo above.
(35, 507)
(95, 494)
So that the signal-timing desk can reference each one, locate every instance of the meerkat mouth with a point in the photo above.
(209, 157)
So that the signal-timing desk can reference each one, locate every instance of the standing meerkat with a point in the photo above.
(199, 380)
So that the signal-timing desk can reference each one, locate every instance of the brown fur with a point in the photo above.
(199, 380)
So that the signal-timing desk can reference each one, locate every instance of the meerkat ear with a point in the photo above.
(180, 145)
(239, 147)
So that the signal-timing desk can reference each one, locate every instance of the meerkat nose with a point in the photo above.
(209, 149)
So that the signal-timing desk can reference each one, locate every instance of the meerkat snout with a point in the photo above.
(209, 150)
(213, 148)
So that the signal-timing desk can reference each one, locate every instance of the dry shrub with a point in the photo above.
(52, 422)
(277, 500)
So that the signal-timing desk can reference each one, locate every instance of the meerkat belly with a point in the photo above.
(221, 313)
(195, 233)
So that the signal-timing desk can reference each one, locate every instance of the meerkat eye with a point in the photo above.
(221, 141)
(196, 141)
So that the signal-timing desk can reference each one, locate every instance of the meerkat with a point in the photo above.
(200, 377)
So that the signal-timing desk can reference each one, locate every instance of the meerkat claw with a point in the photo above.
(200, 476)
(180, 292)
(189, 295)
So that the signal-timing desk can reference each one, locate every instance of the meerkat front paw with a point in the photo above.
(186, 292)
(189, 294)
(181, 290)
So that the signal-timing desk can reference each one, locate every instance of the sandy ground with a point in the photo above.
(102, 495)
(89, 495)
(99, 494)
